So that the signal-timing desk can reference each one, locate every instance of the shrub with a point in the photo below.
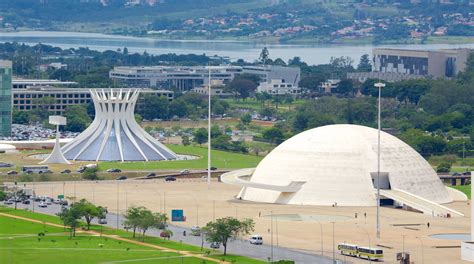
(90, 174)
(443, 167)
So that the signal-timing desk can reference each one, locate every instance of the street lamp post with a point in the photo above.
(209, 133)
(422, 253)
(379, 86)
(333, 245)
(213, 210)
(368, 236)
(271, 235)
(118, 196)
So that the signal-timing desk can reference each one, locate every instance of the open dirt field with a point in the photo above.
(202, 205)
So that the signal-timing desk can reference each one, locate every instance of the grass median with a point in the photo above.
(20, 243)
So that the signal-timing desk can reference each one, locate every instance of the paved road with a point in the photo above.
(239, 247)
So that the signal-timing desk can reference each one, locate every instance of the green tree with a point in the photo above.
(226, 229)
(345, 87)
(200, 136)
(273, 134)
(3, 195)
(264, 56)
(154, 106)
(148, 220)
(90, 174)
(364, 64)
(20, 117)
(244, 85)
(185, 140)
(132, 218)
(70, 217)
(88, 210)
(311, 83)
(246, 119)
(77, 118)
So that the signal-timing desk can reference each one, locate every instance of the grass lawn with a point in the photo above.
(255, 105)
(220, 159)
(19, 243)
(463, 188)
(112, 250)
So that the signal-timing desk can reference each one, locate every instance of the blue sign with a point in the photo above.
(177, 215)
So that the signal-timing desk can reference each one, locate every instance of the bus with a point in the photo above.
(369, 253)
(35, 169)
(347, 249)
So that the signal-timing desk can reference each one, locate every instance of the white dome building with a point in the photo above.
(333, 164)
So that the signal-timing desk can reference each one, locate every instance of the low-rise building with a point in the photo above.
(18, 83)
(217, 89)
(186, 78)
(329, 85)
(279, 87)
(393, 65)
(31, 98)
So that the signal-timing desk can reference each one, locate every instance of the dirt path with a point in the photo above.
(90, 232)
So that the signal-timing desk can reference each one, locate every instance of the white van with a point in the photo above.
(256, 240)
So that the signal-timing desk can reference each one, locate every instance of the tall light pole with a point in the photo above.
(333, 245)
(368, 236)
(271, 236)
(118, 204)
(422, 253)
(209, 133)
(379, 86)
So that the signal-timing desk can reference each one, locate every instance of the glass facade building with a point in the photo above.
(5, 98)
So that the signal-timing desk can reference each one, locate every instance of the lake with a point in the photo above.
(312, 54)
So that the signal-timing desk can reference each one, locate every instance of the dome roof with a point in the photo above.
(336, 162)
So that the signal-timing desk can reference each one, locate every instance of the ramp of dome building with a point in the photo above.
(419, 203)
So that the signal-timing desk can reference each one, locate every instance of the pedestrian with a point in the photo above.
(365, 215)
(355, 215)
(428, 224)
(259, 214)
(184, 233)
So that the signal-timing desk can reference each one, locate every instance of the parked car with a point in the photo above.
(467, 173)
(103, 221)
(121, 178)
(184, 172)
(170, 178)
(43, 205)
(12, 172)
(8, 202)
(151, 174)
(256, 240)
(112, 170)
(195, 231)
(213, 168)
(81, 169)
(215, 245)
(25, 202)
(5, 165)
(63, 202)
(456, 174)
(65, 171)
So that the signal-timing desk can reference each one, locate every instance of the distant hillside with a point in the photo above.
(308, 21)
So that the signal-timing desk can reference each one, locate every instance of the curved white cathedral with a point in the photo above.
(114, 135)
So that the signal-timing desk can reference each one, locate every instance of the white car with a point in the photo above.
(256, 240)
(103, 221)
(42, 204)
